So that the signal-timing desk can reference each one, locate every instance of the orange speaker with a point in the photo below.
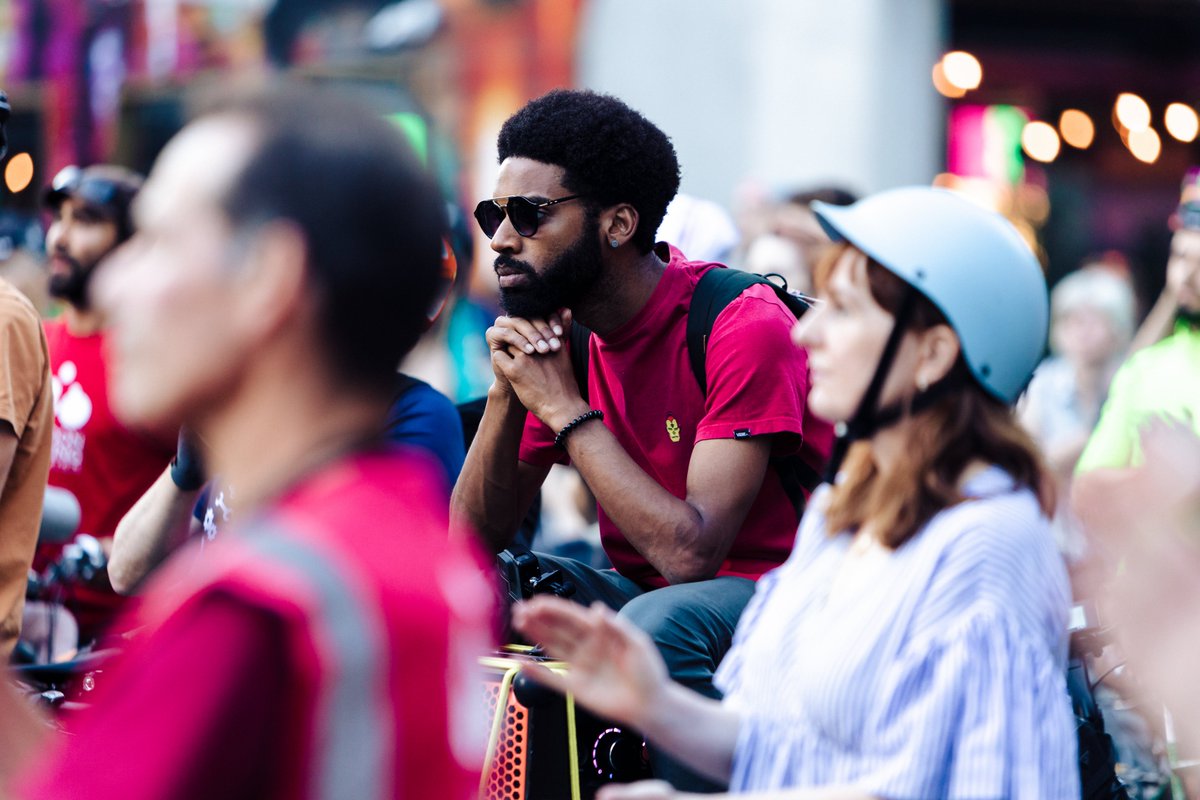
(544, 747)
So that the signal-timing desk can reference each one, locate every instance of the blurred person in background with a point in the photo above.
(691, 511)
(106, 464)
(794, 241)
(699, 228)
(796, 222)
(26, 412)
(1091, 324)
(325, 646)
(183, 503)
(26, 426)
(914, 644)
(1161, 380)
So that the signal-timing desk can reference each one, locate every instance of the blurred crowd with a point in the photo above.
(845, 530)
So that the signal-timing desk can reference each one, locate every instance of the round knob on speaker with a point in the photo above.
(532, 694)
(619, 755)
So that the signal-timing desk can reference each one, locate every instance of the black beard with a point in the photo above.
(562, 285)
(72, 287)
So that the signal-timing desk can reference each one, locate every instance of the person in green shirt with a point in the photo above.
(1161, 381)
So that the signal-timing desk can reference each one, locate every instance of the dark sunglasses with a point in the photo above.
(92, 189)
(523, 213)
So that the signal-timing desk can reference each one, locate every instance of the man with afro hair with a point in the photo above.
(690, 514)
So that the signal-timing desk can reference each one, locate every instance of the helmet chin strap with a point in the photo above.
(868, 419)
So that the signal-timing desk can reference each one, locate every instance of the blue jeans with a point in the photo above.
(692, 624)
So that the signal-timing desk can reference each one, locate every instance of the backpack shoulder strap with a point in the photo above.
(714, 291)
(580, 341)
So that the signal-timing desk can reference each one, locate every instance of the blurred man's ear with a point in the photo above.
(273, 278)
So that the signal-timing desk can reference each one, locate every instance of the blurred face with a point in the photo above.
(1085, 335)
(556, 266)
(799, 225)
(170, 292)
(1183, 269)
(79, 236)
(844, 334)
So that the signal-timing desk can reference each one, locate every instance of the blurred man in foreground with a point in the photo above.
(287, 249)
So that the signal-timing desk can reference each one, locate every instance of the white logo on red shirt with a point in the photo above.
(72, 410)
(72, 407)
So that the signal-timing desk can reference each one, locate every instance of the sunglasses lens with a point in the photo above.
(489, 216)
(524, 215)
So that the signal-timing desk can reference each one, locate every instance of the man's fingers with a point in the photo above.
(556, 322)
(537, 333)
(500, 337)
(542, 335)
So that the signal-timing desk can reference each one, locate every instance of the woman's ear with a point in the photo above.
(938, 349)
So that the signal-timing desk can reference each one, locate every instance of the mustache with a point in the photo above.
(71, 262)
(514, 264)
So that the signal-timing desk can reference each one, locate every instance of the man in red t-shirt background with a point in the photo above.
(106, 465)
(691, 513)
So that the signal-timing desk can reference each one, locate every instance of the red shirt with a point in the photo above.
(642, 380)
(106, 465)
(324, 648)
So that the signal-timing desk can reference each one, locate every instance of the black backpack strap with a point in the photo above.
(580, 342)
(715, 290)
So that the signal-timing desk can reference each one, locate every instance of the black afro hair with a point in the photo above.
(610, 153)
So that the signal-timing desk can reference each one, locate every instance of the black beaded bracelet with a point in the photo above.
(561, 438)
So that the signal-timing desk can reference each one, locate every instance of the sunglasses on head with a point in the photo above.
(523, 213)
(92, 189)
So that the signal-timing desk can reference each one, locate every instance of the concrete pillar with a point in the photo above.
(785, 92)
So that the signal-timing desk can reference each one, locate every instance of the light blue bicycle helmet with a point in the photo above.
(970, 262)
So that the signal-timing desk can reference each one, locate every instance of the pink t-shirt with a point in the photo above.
(642, 380)
(334, 634)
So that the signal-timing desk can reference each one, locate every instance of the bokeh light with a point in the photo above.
(1040, 141)
(943, 85)
(19, 172)
(1145, 145)
(1133, 113)
(962, 70)
(1077, 128)
(1181, 122)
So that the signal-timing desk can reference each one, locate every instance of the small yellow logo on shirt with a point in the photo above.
(673, 429)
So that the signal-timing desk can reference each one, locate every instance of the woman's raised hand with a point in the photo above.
(614, 668)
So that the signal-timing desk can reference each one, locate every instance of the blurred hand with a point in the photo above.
(614, 668)
(642, 790)
(1147, 525)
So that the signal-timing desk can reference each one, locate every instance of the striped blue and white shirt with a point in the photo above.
(933, 671)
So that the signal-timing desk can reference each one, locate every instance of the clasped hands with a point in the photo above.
(532, 359)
